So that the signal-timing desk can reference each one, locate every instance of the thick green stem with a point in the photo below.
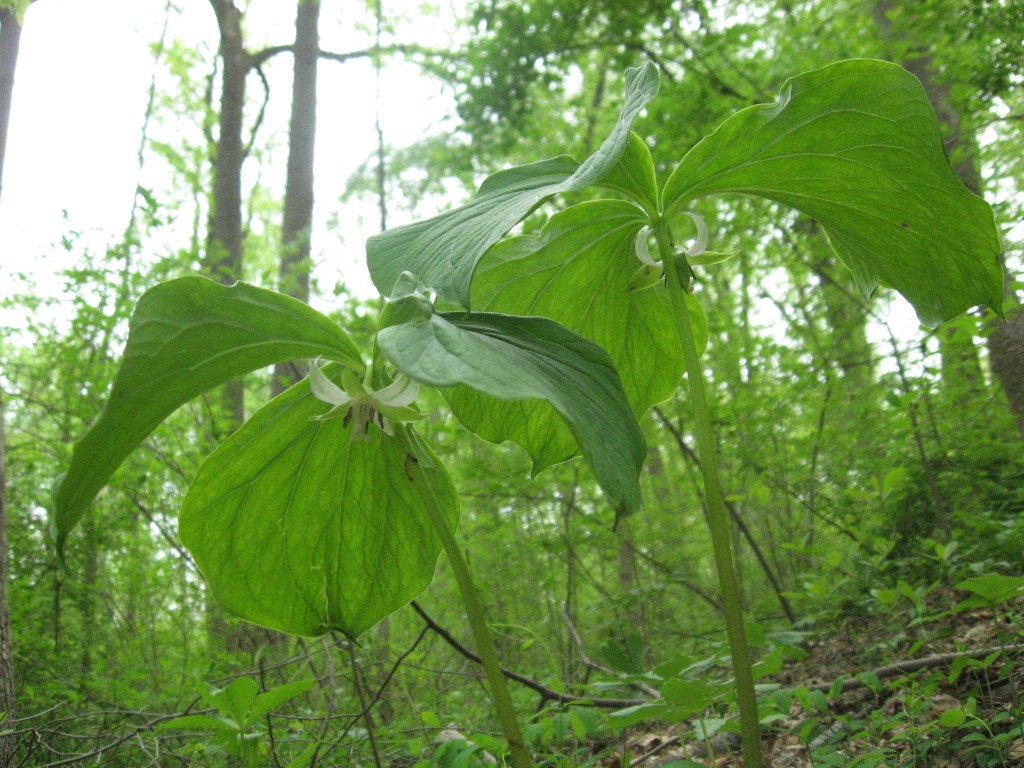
(718, 523)
(475, 614)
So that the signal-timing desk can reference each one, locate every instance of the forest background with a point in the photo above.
(872, 466)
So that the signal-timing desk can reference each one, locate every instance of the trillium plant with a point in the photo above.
(327, 511)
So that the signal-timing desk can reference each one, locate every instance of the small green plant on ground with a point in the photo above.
(238, 728)
(327, 510)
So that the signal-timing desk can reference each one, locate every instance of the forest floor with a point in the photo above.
(884, 690)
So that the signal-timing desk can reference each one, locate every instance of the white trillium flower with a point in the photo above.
(700, 245)
(643, 252)
(362, 406)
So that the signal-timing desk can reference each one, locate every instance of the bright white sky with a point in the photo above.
(80, 95)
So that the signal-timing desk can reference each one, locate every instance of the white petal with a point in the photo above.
(402, 391)
(701, 244)
(640, 246)
(324, 389)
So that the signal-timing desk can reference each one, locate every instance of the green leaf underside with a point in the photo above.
(298, 528)
(856, 145)
(578, 273)
(185, 337)
(442, 252)
(510, 377)
(633, 175)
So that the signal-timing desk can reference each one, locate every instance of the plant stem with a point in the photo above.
(474, 613)
(718, 523)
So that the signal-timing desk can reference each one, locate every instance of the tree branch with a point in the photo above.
(547, 694)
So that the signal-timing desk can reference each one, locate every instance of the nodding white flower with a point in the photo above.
(642, 250)
(362, 406)
(700, 245)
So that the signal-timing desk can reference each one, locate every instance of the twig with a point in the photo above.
(546, 693)
(914, 665)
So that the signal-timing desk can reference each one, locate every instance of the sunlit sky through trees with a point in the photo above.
(80, 99)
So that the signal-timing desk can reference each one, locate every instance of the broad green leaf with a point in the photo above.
(856, 146)
(275, 697)
(640, 713)
(990, 589)
(691, 695)
(185, 337)
(546, 371)
(578, 273)
(297, 527)
(237, 698)
(442, 252)
(196, 722)
(953, 718)
(633, 175)
(304, 759)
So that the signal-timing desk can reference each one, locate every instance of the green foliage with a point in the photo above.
(238, 727)
(478, 353)
(856, 146)
(301, 525)
(443, 252)
(579, 272)
(188, 336)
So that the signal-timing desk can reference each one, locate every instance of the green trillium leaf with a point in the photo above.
(197, 723)
(298, 527)
(274, 698)
(633, 175)
(511, 378)
(187, 336)
(442, 252)
(580, 272)
(857, 146)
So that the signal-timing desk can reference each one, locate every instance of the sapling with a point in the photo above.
(327, 510)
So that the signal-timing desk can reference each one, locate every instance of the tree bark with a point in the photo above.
(10, 43)
(1006, 354)
(223, 259)
(298, 196)
(224, 239)
(8, 743)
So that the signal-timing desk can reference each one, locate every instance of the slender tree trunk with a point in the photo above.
(223, 259)
(7, 743)
(86, 641)
(1006, 353)
(10, 43)
(224, 239)
(627, 572)
(298, 195)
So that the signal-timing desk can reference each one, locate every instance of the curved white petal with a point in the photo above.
(642, 250)
(324, 389)
(402, 391)
(701, 243)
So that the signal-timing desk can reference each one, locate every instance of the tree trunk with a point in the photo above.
(7, 743)
(298, 194)
(224, 239)
(223, 259)
(1006, 353)
(10, 43)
